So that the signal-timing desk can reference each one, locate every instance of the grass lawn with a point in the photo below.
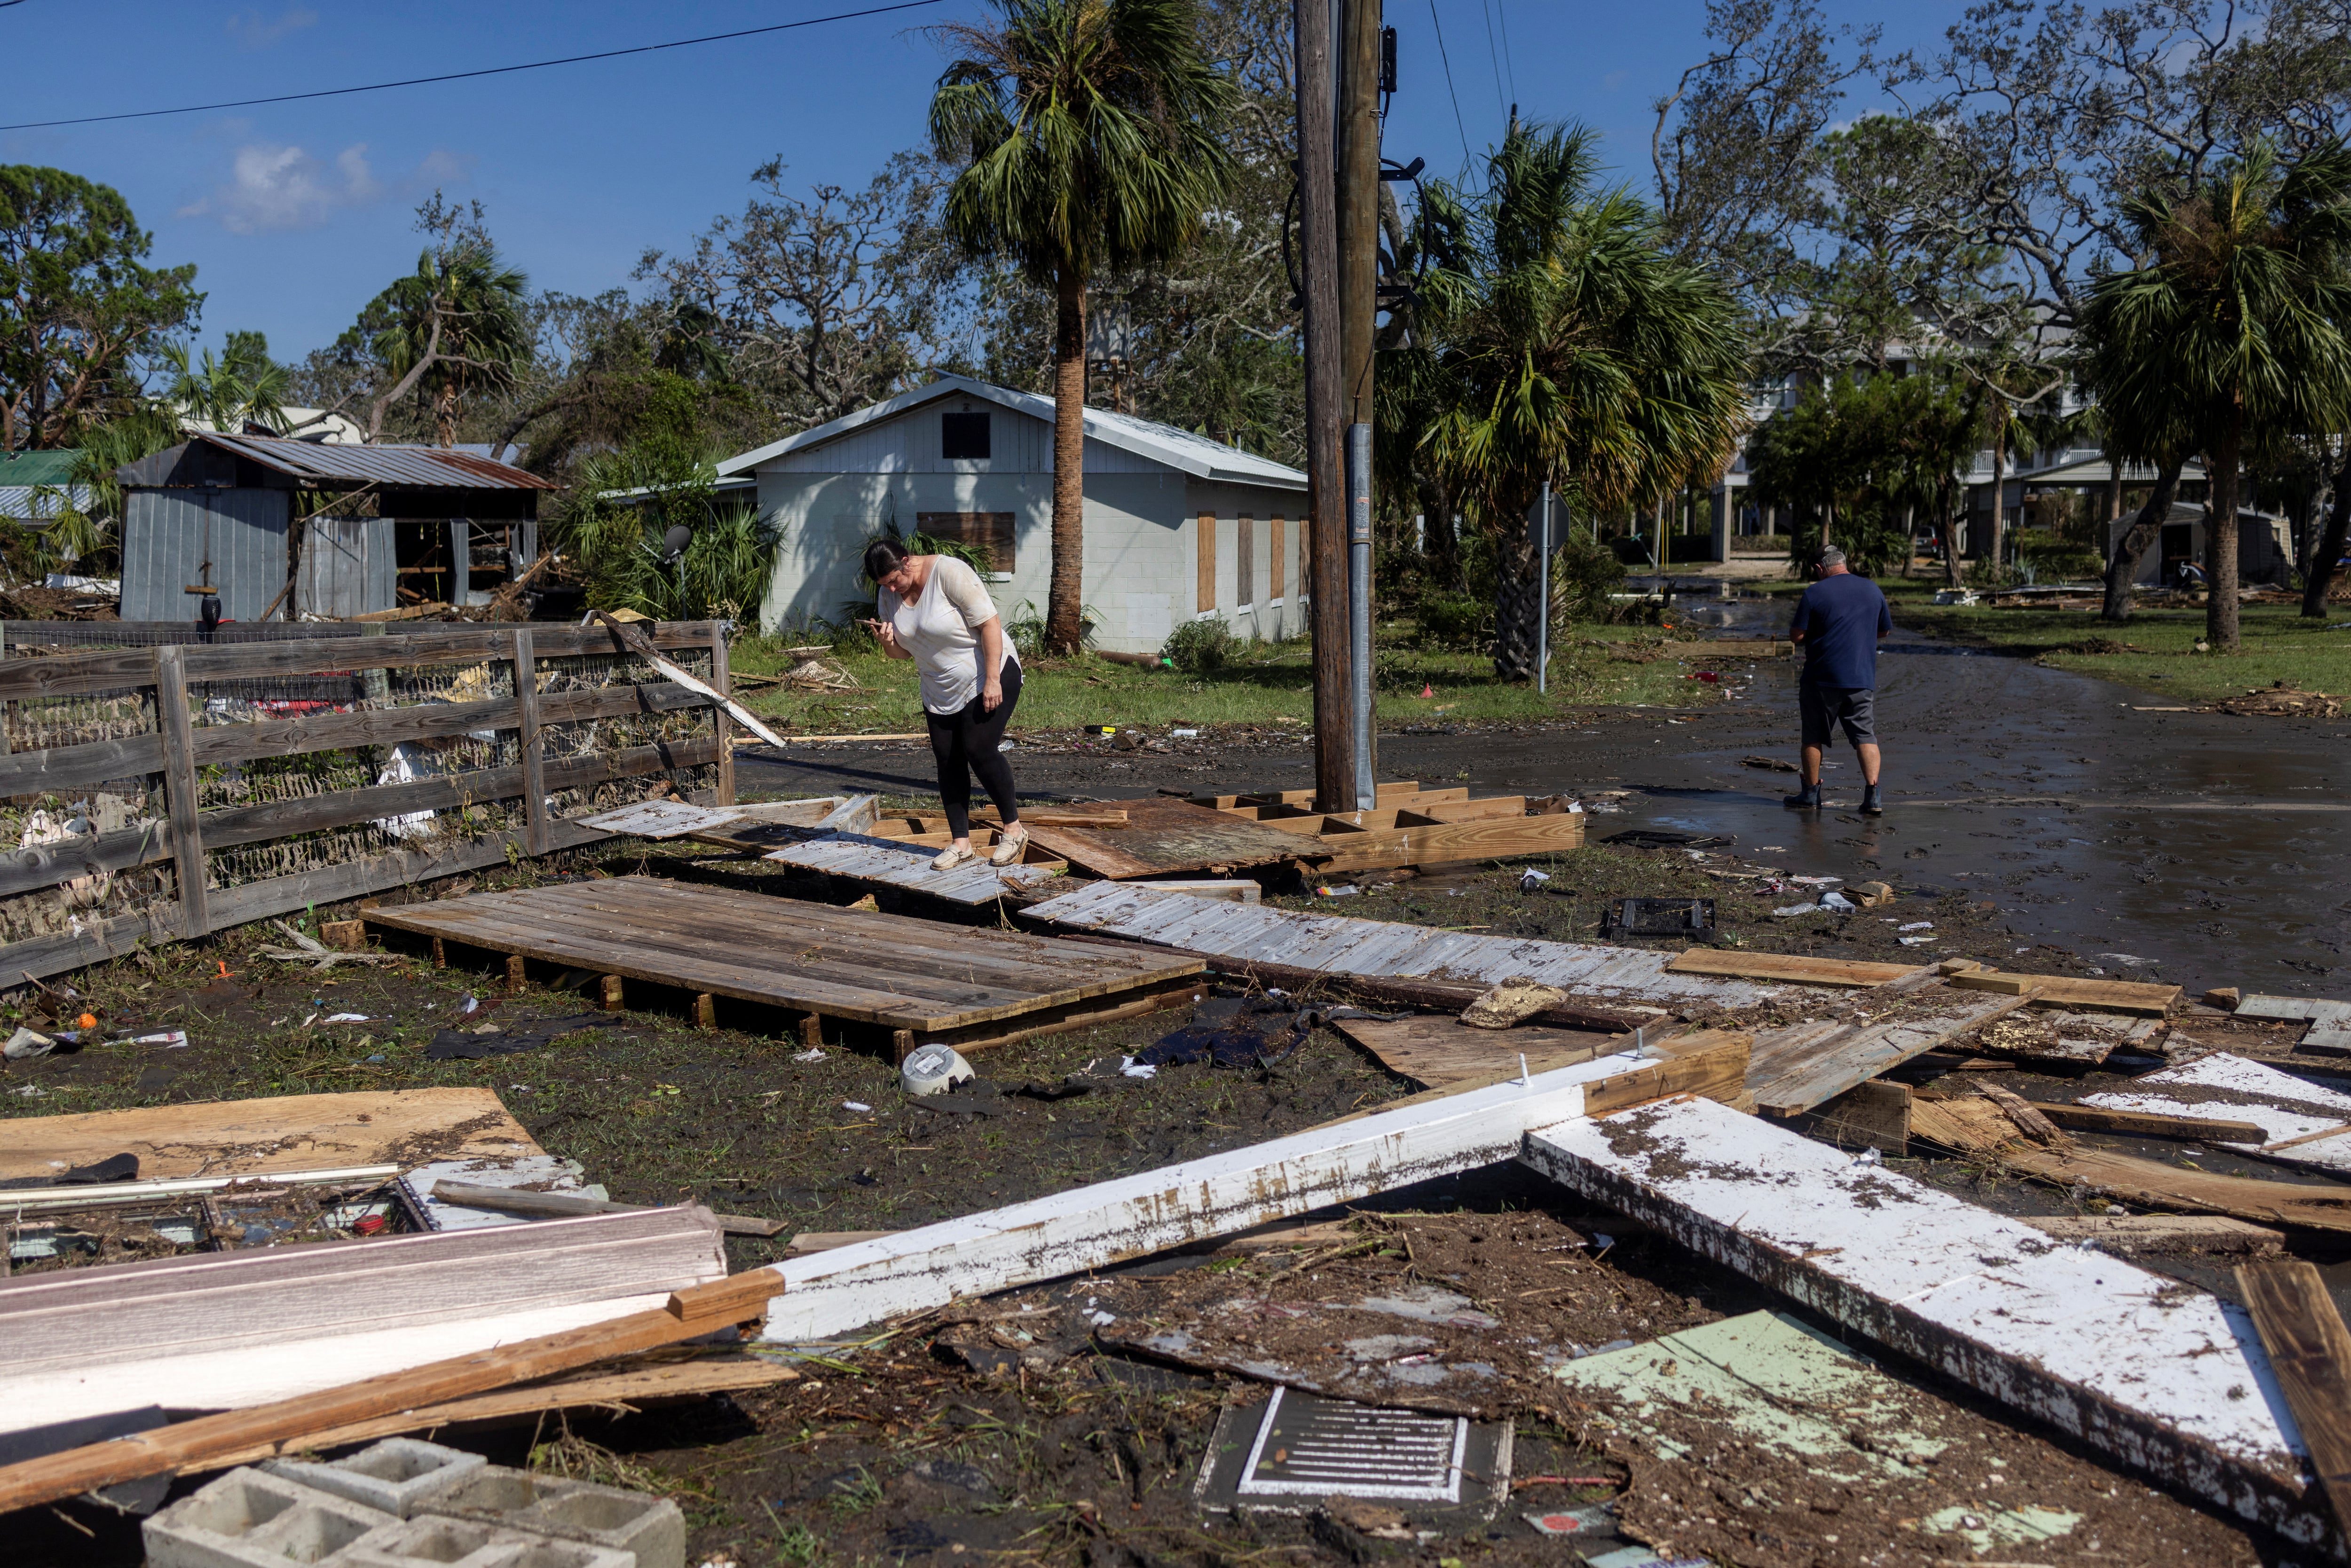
(2154, 650)
(1267, 685)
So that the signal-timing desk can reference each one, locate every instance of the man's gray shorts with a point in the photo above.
(1823, 707)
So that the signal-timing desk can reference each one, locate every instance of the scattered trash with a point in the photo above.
(1770, 764)
(1531, 879)
(1128, 1067)
(1350, 891)
(1916, 941)
(348, 1018)
(1184, 735)
(1691, 918)
(1871, 894)
(933, 1068)
(471, 1003)
(855, 1105)
(1795, 909)
(1572, 1522)
(25, 1045)
(1653, 839)
(1917, 925)
(1837, 901)
(1099, 729)
(171, 1039)
(813, 1053)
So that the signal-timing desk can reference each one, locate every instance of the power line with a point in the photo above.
(1509, 67)
(467, 76)
(1501, 99)
(1455, 96)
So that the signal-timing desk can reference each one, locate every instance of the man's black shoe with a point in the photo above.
(1870, 804)
(1807, 799)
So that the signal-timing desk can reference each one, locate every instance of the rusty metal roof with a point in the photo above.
(403, 468)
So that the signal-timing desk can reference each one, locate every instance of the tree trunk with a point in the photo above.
(2319, 576)
(2122, 561)
(1517, 601)
(2114, 490)
(1828, 524)
(1065, 599)
(1947, 518)
(2220, 538)
(1909, 534)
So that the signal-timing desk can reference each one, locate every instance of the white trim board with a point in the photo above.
(2160, 1376)
(1338, 944)
(847, 1288)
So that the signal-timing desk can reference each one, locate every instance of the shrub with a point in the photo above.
(1198, 647)
(1583, 575)
(2054, 558)
(1453, 620)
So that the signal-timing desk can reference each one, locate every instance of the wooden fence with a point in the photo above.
(166, 791)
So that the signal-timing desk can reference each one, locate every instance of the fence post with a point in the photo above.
(721, 725)
(180, 787)
(536, 833)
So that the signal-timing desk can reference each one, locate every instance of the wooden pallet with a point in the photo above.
(1410, 826)
(900, 981)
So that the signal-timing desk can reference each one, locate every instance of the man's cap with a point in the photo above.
(1832, 557)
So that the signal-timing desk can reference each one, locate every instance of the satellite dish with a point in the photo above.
(674, 542)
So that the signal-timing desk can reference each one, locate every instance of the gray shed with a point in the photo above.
(1177, 527)
(216, 513)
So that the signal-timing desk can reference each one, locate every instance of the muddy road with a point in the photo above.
(2202, 849)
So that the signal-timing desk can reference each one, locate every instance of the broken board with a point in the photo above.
(1804, 1064)
(285, 1132)
(1435, 1051)
(916, 979)
(2330, 1021)
(2164, 1378)
(881, 863)
(2302, 1124)
(1162, 837)
(1338, 946)
(2134, 997)
(1790, 966)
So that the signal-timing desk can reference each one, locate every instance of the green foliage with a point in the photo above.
(453, 329)
(244, 385)
(2052, 557)
(1860, 454)
(729, 561)
(1453, 620)
(80, 307)
(1584, 573)
(1200, 647)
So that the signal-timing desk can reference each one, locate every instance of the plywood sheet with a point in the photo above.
(287, 1133)
(1439, 1050)
(883, 864)
(1162, 836)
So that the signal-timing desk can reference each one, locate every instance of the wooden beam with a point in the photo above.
(2310, 1351)
(1792, 967)
(2155, 1185)
(531, 741)
(180, 788)
(1093, 1227)
(2072, 1338)
(721, 725)
(2128, 997)
(2147, 1125)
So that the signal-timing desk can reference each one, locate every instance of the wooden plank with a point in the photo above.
(1875, 1115)
(1090, 853)
(881, 866)
(221, 744)
(2145, 1124)
(281, 1133)
(2295, 1124)
(197, 1443)
(835, 1291)
(188, 873)
(226, 1330)
(531, 741)
(2122, 1359)
(2125, 1235)
(62, 767)
(1435, 1052)
(1787, 966)
(1164, 836)
(1787, 1083)
(1204, 564)
(2310, 1352)
(2155, 1185)
(617, 1392)
(2128, 997)
(566, 1205)
(1509, 839)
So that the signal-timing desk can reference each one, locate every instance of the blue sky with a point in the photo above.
(296, 213)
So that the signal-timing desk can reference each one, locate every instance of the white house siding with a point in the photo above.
(826, 500)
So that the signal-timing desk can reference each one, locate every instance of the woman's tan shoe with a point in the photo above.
(953, 856)
(1009, 845)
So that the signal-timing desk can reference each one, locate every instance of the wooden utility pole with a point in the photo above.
(1326, 533)
(1359, 282)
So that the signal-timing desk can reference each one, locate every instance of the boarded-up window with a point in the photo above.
(1280, 565)
(989, 533)
(1204, 550)
(963, 437)
(1245, 553)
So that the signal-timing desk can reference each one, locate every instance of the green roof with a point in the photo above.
(54, 466)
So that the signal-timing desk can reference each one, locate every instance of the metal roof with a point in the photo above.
(50, 465)
(1179, 449)
(401, 467)
(38, 503)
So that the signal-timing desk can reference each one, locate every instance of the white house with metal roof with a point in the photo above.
(1176, 526)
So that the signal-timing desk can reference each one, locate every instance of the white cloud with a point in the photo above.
(273, 188)
(255, 31)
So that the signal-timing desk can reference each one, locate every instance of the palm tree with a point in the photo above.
(245, 386)
(1088, 132)
(2235, 319)
(1556, 340)
(454, 326)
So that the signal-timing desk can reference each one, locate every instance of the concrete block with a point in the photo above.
(431, 1541)
(634, 1522)
(393, 1476)
(249, 1520)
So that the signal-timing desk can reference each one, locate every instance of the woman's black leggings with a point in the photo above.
(965, 743)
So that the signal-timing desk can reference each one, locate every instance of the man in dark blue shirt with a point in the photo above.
(1839, 622)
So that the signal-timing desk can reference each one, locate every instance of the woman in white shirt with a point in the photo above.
(935, 611)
